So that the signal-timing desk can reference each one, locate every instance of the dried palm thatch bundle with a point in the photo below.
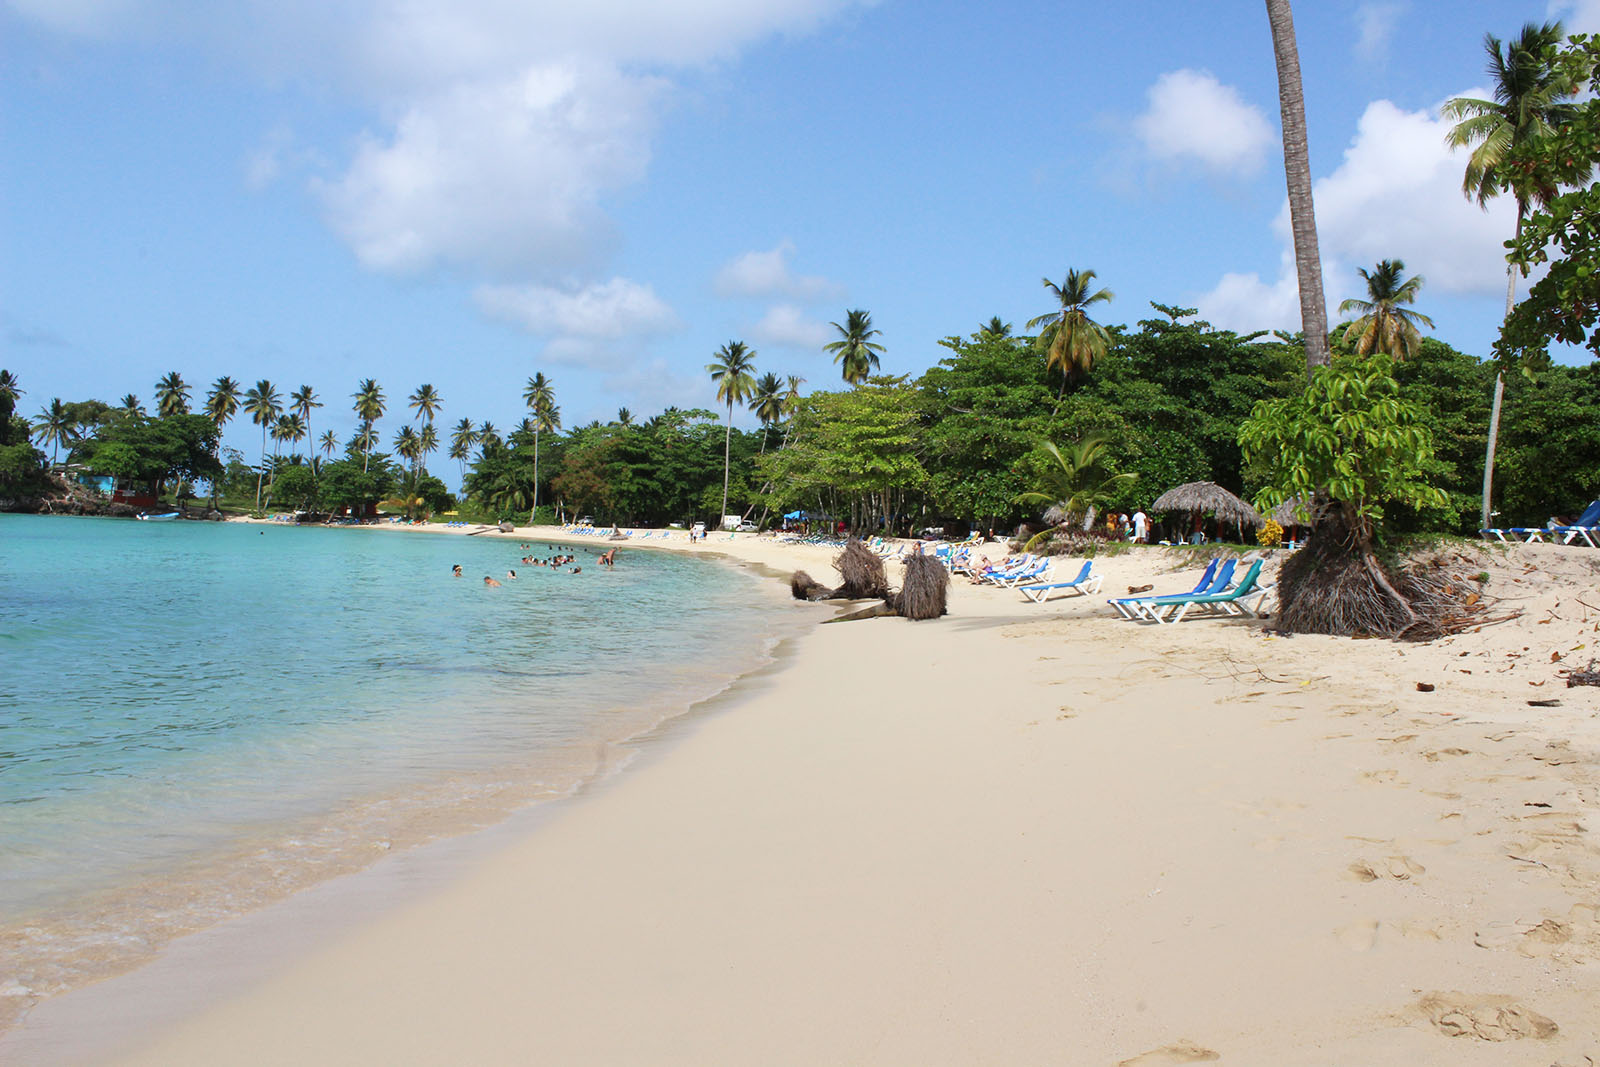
(805, 587)
(923, 593)
(861, 573)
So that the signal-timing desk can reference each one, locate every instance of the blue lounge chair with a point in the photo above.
(1215, 579)
(1226, 602)
(1525, 534)
(1085, 583)
(1585, 527)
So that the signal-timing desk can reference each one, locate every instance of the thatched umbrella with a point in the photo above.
(1202, 497)
(1287, 514)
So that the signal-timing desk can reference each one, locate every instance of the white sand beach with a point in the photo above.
(1023, 834)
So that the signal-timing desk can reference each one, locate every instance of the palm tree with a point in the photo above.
(290, 428)
(1077, 484)
(222, 401)
(56, 427)
(461, 441)
(131, 407)
(263, 405)
(996, 329)
(767, 403)
(427, 443)
(329, 443)
(9, 387)
(408, 445)
(426, 402)
(487, 437)
(301, 402)
(624, 417)
(540, 396)
(731, 372)
(369, 409)
(172, 395)
(1529, 100)
(855, 352)
(1073, 341)
(1297, 175)
(1384, 325)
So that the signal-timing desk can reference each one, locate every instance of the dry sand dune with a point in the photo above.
(1023, 834)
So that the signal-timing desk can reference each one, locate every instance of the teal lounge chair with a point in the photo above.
(1217, 575)
(1226, 603)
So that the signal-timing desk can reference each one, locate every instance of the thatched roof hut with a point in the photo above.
(1208, 497)
(1288, 513)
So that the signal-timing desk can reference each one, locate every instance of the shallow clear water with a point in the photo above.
(197, 716)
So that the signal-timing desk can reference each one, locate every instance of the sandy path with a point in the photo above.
(1016, 836)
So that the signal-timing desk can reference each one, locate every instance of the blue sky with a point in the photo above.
(465, 192)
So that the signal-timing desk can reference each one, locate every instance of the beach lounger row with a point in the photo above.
(1584, 529)
(1215, 594)
(1084, 584)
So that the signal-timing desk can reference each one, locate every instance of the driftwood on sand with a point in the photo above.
(922, 595)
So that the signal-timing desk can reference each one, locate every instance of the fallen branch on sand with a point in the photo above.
(1588, 676)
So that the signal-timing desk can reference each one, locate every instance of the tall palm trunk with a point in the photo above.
(1297, 174)
(262, 473)
(727, 438)
(1511, 270)
(533, 516)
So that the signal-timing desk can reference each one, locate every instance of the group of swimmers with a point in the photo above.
(562, 558)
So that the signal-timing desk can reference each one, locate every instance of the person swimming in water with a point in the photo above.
(610, 558)
(456, 570)
(490, 581)
(512, 575)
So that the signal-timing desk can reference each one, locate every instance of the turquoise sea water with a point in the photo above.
(197, 717)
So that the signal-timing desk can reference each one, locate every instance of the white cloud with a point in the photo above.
(501, 177)
(1375, 24)
(1192, 116)
(1395, 195)
(609, 310)
(1579, 16)
(787, 326)
(769, 274)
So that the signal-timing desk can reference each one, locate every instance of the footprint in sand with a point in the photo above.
(1182, 1052)
(1383, 777)
(1394, 868)
(1435, 757)
(1363, 935)
(1485, 1018)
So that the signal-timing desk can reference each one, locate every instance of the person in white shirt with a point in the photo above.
(1140, 522)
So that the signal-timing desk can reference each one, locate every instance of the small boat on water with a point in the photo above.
(167, 516)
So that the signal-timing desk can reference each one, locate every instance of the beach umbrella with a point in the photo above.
(1203, 497)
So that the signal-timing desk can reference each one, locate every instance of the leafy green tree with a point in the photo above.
(21, 465)
(172, 395)
(1564, 231)
(263, 404)
(732, 371)
(344, 483)
(369, 406)
(1531, 101)
(1352, 437)
(296, 487)
(855, 351)
(174, 448)
(56, 426)
(1071, 339)
(1297, 175)
(1385, 326)
(222, 401)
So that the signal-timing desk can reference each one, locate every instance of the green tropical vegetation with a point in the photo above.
(1382, 428)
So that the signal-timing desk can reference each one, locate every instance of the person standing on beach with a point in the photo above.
(1141, 524)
